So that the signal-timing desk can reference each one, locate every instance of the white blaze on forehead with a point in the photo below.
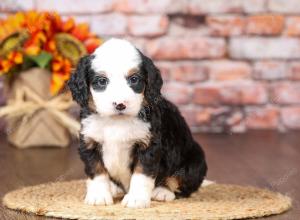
(116, 56)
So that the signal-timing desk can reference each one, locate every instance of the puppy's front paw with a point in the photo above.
(98, 191)
(115, 190)
(162, 194)
(136, 201)
(98, 198)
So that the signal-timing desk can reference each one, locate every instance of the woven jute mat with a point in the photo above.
(216, 201)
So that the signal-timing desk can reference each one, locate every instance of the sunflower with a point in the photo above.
(12, 59)
(12, 33)
(43, 39)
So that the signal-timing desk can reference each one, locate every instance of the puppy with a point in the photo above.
(132, 139)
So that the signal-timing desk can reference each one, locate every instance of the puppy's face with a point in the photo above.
(117, 79)
(117, 87)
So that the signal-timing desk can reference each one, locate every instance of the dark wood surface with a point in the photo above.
(262, 159)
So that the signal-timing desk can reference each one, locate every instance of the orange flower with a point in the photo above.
(50, 46)
(32, 32)
(56, 21)
(12, 24)
(33, 22)
(5, 66)
(68, 25)
(61, 65)
(13, 58)
(57, 83)
(81, 32)
(61, 70)
(32, 50)
(92, 43)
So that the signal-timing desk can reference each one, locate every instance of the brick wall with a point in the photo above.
(231, 65)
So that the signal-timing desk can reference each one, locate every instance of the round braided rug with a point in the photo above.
(216, 201)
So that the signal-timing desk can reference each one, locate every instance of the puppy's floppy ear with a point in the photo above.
(78, 82)
(154, 81)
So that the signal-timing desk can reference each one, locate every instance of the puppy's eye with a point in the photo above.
(133, 80)
(103, 81)
(136, 82)
(100, 83)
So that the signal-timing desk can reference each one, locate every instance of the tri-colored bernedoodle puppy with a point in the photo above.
(132, 139)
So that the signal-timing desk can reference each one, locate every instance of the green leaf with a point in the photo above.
(28, 63)
(41, 60)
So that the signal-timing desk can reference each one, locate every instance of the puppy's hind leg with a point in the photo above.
(162, 193)
(192, 174)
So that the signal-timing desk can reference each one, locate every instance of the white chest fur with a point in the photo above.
(117, 136)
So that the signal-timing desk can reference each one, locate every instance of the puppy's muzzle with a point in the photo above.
(120, 106)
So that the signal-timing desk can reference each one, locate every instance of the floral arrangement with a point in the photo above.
(45, 40)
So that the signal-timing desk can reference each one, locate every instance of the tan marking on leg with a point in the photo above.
(100, 169)
(89, 143)
(98, 166)
(173, 183)
(138, 168)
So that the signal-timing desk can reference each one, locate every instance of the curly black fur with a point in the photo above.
(80, 80)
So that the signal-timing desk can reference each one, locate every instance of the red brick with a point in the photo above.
(189, 73)
(186, 48)
(265, 24)
(149, 25)
(189, 114)
(165, 69)
(71, 6)
(184, 71)
(212, 119)
(254, 6)
(149, 6)
(264, 48)
(177, 93)
(214, 6)
(246, 93)
(291, 117)
(236, 122)
(269, 70)
(294, 71)
(207, 94)
(180, 30)
(231, 93)
(293, 26)
(225, 25)
(235, 118)
(262, 118)
(188, 25)
(209, 115)
(284, 6)
(204, 116)
(219, 119)
(109, 24)
(228, 70)
(285, 93)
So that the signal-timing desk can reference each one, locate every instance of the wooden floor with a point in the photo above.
(263, 159)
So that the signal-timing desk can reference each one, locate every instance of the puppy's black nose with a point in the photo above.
(120, 107)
